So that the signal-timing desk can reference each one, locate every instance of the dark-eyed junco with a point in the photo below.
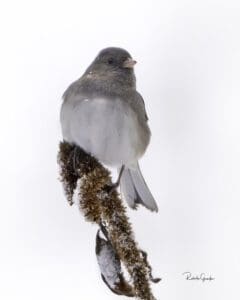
(104, 114)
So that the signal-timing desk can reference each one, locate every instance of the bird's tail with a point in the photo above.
(135, 190)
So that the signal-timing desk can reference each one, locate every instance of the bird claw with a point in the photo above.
(111, 188)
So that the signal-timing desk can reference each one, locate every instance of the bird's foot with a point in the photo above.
(111, 187)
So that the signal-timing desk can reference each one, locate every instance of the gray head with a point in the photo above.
(113, 59)
(113, 65)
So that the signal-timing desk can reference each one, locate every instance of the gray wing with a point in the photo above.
(141, 105)
(72, 90)
(72, 97)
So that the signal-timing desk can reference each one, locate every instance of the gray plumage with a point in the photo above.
(110, 267)
(104, 114)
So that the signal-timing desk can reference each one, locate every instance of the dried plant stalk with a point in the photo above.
(100, 206)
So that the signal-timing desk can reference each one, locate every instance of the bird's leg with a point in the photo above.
(114, 186)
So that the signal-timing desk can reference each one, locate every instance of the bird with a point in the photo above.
(110, 265)
(103, 113)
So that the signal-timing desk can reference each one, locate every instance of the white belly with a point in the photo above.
(108, 129)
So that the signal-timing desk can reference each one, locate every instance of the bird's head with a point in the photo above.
(113, 64)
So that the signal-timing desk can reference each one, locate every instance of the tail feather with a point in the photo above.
(135, 190)
(127, 188)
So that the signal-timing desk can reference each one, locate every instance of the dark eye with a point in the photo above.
(110, 61)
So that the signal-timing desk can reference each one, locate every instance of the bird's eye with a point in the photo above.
(110, 61)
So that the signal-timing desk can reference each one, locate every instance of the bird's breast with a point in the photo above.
(109, 129)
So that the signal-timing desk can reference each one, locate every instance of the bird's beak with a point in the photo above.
(129, 63)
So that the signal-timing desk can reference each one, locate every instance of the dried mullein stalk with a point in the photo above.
(103, 207)
(68, 175)
(153, 279)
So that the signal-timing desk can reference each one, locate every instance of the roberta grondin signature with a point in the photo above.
(202, 277)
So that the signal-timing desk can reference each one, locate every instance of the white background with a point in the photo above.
(188, 55)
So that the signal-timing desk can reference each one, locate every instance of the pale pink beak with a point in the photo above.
(129, 63)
